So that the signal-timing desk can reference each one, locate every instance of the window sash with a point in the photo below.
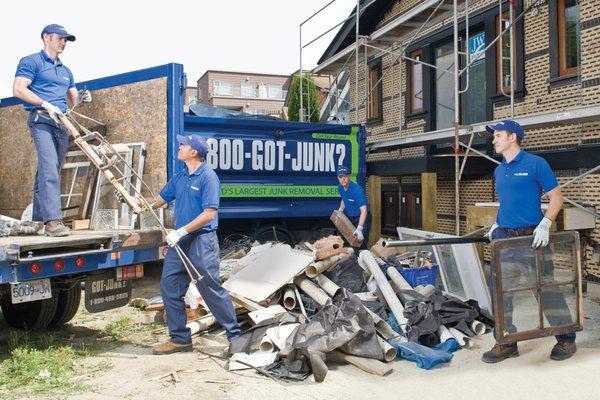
(374, 100)
(568, 36)
(416, 83)
(503, 66)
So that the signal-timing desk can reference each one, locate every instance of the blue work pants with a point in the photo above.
(51, 142)
(203, 251)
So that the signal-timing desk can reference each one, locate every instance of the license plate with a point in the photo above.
(30, 291)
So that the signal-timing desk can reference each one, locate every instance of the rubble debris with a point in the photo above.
(19, 228)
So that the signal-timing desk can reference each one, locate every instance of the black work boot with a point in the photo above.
(56, 228)
(500, 352)
(563, 350)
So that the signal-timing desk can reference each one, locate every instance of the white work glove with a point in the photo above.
(83, 96)
(542, 233)
(358, 233)
(175, 236)
(53, 111)
(489, 233)
(341, 209)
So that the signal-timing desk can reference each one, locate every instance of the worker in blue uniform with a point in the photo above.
(521, 179)
(45, 84)
(354, 205)
(196, 190)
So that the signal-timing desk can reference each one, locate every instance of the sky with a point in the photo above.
(120, 36)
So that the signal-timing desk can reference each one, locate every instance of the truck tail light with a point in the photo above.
(35, 268)
(59, 265)
(80, 262)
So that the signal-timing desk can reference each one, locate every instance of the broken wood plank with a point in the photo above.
(369, 365)
(244, 302)
(79, 224)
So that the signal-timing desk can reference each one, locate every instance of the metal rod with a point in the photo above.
(434, 242)
(301, 117)
(512, 59)
(356, 106)
(466, 156)
(456, 124)
(467, 46)
(312, 16)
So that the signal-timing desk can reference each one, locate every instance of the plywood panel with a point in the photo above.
(132, 113)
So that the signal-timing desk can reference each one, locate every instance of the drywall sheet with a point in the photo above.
(269, 272)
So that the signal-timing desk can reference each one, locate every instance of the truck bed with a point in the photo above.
(17, 248)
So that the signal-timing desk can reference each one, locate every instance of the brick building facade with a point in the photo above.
(556, 69)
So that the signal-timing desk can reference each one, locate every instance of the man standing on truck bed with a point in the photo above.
(44, 84)
(196, 190)
(354, 205)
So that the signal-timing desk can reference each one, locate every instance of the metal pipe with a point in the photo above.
(511, 39)
(464, 162)
(385, 288)
(301, 117)
(468, 45)
(434, 242)
(456, 124)
(356, 106)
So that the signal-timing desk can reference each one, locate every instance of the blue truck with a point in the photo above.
(277, 177)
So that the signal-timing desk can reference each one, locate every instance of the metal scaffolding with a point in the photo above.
(410, 25)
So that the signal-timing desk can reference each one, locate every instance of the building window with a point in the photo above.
(503, 63)
(375, 100)
(275, 92)
(444, 86)
(249, 89)
(416, 82)
(568, 37)
(222, 88)
(472, 84)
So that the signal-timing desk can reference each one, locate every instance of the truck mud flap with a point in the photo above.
(104, 292)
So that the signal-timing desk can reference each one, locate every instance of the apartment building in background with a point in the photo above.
(253, 93)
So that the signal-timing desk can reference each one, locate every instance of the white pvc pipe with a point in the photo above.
(201, 324)
(289, 298)
(478, 327)
(444, 334)
(398, 279)
(463, 340)
(321, 266)
(312, 290)
(389, 352)
(385, 288)
(266, 345)
(327, 285)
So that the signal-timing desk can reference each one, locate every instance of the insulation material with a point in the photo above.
(268, 272)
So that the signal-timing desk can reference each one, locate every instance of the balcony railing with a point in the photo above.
(246, 93)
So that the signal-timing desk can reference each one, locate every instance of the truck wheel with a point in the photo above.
(30, 316)
(68, 304)
(275, 234)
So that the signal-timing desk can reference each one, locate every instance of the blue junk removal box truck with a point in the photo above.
(278, 181)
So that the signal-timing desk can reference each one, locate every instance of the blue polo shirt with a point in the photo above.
(520, 184)
(354, 198)
(192, 194)
(50, 80)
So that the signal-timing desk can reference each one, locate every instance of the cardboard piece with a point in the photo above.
(269, 272)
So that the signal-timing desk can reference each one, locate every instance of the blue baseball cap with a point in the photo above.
(59, 30)
(342, 171)
(196, 142)
(508, 126)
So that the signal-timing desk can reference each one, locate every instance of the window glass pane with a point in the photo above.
(505, 56)
(248, 89)
(571, 33)
(416, 84)
(223, 88)
(275, 92)
(472, 106)
(374, 97)
(444, 86)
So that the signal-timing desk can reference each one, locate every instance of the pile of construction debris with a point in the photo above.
(320, 302)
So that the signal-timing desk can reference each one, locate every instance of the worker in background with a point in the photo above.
(196, 191)
(45, 84)
(520, 180)
(354, 205)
